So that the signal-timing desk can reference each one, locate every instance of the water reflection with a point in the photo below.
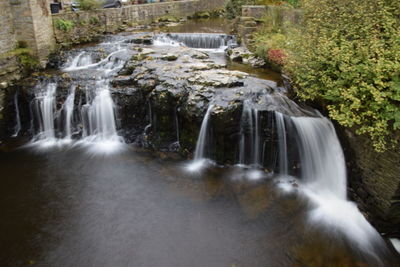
(67, 208)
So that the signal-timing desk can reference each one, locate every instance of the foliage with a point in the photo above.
(64, 25)
(233, 8)
(25, 56)
(347, 55)
(94, 20)
(277, 56)
(88, 4)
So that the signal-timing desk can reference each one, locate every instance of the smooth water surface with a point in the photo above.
(70, 208)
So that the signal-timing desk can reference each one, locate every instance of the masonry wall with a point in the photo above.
(7, 36)
(90, 24)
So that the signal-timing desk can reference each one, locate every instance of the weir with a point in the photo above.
(196, 40)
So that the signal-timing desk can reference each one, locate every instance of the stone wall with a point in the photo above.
(90, 24)
(7, 36)
(374, 180)
(275, 15)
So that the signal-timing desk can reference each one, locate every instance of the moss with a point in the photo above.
(25, 57)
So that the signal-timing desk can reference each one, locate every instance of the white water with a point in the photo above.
(201, 152)
(324, 183)
(204, 41)
(69, 108)
(85, 62)
(45, 108)
(79, 62)
(281, 130)
(98, 113)
(250, 136)
(17, 117)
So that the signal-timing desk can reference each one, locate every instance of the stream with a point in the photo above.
(93, 172)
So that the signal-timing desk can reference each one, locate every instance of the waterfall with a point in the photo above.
(201, 151)
(196, 40)
(99, 119)
(202, 141)
(69, 108)
(322, 161)
(281, 130)
(323, 173)
(249, 147)
(78, 62)
(17, 127)
(44, 107)
(97, 115)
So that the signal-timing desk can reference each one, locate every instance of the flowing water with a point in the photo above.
(202, 151)
(67, 207)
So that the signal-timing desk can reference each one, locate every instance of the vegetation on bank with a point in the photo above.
(88, 4)
(346, 54)
(64, 25)
(25, 57)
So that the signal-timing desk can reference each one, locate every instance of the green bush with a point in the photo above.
(347, 56)
(88, 4)
(64, 25)
(233, 8)
(94, 21)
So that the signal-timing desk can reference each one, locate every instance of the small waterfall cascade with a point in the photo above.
(81, 60)
(17, 127)
(99, 119)
(249, 147)
(202, 141)
(44, 108)
(323, 174)
(282, 143)
(94, 119)
(196, 40)
(201, 153)
(322, 160)
(69, 109)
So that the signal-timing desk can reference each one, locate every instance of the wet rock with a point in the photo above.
(242, 54)
(169, 57)
(218, 78)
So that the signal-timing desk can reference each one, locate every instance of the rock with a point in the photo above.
(239, 53)
(169, 57)
(199, 55)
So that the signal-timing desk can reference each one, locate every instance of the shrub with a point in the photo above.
(88, 4)
(94, 20)
(63, 25)
(276, 56)
(347, 56)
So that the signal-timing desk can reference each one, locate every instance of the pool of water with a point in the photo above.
(68, 207)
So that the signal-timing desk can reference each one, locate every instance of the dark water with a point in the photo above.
(65, 207)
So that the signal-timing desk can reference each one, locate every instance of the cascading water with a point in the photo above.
(281, 130)
(323, 173)
(202, 152)
(69, 108)
(17, 127)
(82, 60)
(250, 136)
(100, 123)
(321, 156)
(44, 108)
(97, 115)
(196, 40)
